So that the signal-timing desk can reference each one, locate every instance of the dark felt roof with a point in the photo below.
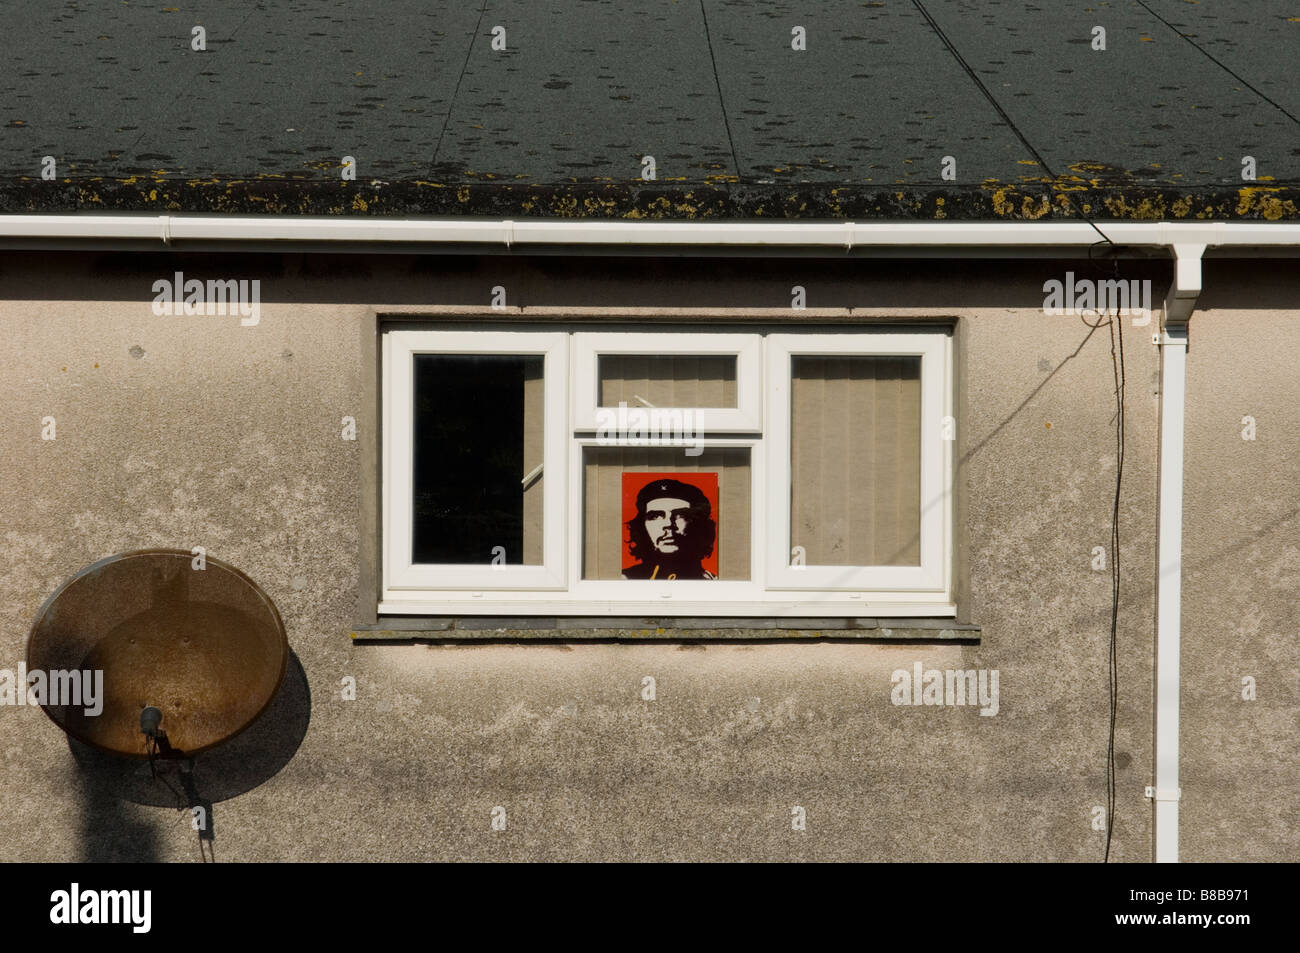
(740, 125)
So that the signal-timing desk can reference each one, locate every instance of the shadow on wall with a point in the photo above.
(114, 831)
(738, 280)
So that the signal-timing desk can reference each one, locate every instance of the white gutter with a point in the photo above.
(1183, 294)
(542, 231)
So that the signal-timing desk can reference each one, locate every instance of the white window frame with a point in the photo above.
(745, 417)
(931, 577)
(665, 596)
(774, 589)
(400, 350)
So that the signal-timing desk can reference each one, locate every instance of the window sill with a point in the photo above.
(642, 629)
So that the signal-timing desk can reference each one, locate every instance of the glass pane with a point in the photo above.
(647, 380)
(478, 439)
(855, 441)
(655, 513)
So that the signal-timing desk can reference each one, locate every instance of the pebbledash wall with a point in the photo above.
(183, 431)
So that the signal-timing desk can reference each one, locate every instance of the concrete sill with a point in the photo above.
(643, 629)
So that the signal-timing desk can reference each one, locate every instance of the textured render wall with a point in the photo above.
(195, 431)
(1241, 529)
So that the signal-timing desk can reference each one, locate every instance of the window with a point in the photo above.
(474, 489)
(628, 473)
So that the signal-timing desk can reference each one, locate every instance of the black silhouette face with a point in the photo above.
(668, 523)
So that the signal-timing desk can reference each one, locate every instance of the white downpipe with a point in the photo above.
(1183, 294)
(524, 232)
(1169, 598)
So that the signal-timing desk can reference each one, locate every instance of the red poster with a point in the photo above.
(670, 526)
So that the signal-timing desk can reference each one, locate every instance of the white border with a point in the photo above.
(775, 604)
(399, 350)
(745, 417)
(717, 591)
(516, 590)
(932, 575)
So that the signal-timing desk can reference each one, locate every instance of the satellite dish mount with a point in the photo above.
(156, 744)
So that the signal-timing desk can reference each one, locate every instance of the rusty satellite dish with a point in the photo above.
(205, 647)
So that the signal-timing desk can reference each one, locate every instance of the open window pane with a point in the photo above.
(478, 438)
(616, 479)
(646, 380)
(856, 460)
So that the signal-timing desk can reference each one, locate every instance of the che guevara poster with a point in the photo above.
(670, 526)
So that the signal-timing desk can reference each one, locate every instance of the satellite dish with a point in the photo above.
(205, 647)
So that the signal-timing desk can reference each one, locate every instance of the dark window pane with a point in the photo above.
(477, 417)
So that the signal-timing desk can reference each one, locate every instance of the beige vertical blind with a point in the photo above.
(667, 380)
(856, 460)
(603, 531)
(534, 443)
